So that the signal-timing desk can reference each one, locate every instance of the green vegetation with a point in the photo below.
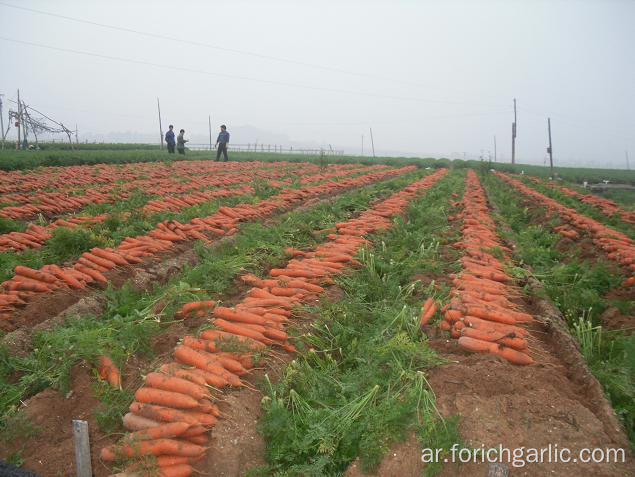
(579, 287)
(133, 318)
(586, 209)
(361, 385)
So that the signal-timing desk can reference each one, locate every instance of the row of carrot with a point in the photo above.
(482, 313)
(65, 178)
(608, 207)
(177, 393)
(617, 246)
(35, 236)
(54, 203)
(91, 266)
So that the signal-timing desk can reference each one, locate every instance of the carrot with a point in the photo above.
(200, 439)
(476, 345)
(175, 369)
(91, 265)
(177, 470)
(509, 340)
(161, 413)
(94, 274)
(429, 312)
(629, 282)
(109, 372)
(102, 262)
(170, 460)
(238, 316)
(197, 343)
(110, 256)
(172, 429)
(153, 447)
(241, 330)
(193, 358)
(177, 385)
(479, 323)
(197, 305)
(219, 336)
(165, 398)
(65, 276)
(514, 356)
(132, 422)
(34, 274)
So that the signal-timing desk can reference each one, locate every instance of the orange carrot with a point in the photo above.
(193, 358)
(165, 398)
(109, 372)
(171, 429)
(161, 413)
(177, 385)
(153, 447)
(428, 312)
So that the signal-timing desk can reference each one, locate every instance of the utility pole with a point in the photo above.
(160, 125)
(76, 139)
(209, 120)
(550, 149)
(514, 135)
(1, 121)
(628, 167)
(494, 148)
(362, 145)
(17, 146)
(372, 142)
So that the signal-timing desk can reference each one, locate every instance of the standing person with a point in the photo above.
(169, 139)
(180, 142)
(221, 143)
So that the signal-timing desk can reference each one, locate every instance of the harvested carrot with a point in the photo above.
(165, 398)
(193, 358)
(171, 429)
(428, 312)
(177, 385)
(161, 413)
(153, 447)
(109, 372)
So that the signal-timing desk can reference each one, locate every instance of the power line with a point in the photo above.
(215, 47)
(224, 75)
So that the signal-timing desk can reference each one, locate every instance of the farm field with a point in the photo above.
(310, 316)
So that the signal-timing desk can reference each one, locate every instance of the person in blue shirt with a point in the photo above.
(169, 139)
(221, 143)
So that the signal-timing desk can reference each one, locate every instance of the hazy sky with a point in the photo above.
(430, 77)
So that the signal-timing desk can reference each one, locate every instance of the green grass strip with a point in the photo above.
(359, 383)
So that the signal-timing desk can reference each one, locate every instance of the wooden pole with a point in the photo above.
(18, 145)
(82, 448)
(494, 148)
(372, 141)
(550, 148)
(160, 125)
(628, 166)
(209, 120)
(514, 135)
(1, 122)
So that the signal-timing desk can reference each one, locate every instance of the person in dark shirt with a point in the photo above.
(169, 139)
(180, 142)
(221, 143)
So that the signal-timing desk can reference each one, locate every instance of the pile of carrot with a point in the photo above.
(35, 235)
(179, 391)
(606, 206)
(481, 313)
(617, 246)
(92, 266)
